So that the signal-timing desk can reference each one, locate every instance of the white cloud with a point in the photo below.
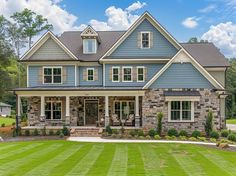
(223, 35)
(60, 18)
(190, 22)
(117, 18)
(135, 6)
(208, 9)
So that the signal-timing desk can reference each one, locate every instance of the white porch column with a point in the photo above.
(18, 111)
(67, 110)
(137, 117)
(42, 105)
(106, 110)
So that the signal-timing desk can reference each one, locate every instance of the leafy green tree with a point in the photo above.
(31, 24)
(209, 124)
(193, 40)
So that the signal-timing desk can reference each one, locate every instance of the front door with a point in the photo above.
(91, 112)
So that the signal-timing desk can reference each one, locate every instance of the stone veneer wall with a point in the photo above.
(154, 102)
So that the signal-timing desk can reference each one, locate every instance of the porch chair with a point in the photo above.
(115, 121)
(129, 121)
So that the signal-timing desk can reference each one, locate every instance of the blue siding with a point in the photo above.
(161, 46)
(34, 78)
(90, 83)
(152, 69)
(181, 76)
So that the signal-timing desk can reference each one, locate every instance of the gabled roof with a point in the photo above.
(183, 56)
(4, 105)
(41, 41)
(89, 31)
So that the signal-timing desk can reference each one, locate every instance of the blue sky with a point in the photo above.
(212, 20)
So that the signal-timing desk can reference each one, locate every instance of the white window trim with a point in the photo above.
(118, 74)
(121, 101)
(88, 75)
(52, 101)
(143, 73)
(95, 47)
(143, 32)
(52, 74)
(192, 112)
(130, 73)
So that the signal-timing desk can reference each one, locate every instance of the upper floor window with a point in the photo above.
(127, 74)
(140, 74)
(145, 39)
(90, 74)
(115, 74)
(52, 75)
(181, 111)
(89, 46)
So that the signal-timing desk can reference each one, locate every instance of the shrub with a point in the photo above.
(232, 137)
(214, 134)
(133, 132)
(3, 125)
(202, 139)
(141, 137)
(58, 132)
(61, 134)
(168, 137)
(192, 139)
(148, 137)
(44, 131)
(226, 141)
(183, 133)
(140, 133)
(13, 123)
(27, 132)
(196, 134)
(157, 137)
(14, 133)
(173, 138)
(213, 140)
(159, 123)
(208, 124)
(51, 133)
(152, 132)
(122, 130)
(115, 131)
(36, 132)
(108, 129)
(183, 138)
(65, 131)
(172, 132)
(224, 133)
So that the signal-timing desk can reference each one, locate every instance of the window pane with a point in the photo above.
(47, 71)
(175, 105)
(48, 114)
(47, 79)
(186, 115)
(175, 115)
(117, 109)
(145, 40)
(115, 77)
(57, 79)
(56, 114)
(186, 105)
(140, 70)
(127, 70)
(115, 70)
(57, 71)
(89, 45)
(140, 77)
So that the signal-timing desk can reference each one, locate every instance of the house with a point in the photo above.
(97, 78)
(5, 109)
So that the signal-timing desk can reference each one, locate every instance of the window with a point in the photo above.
(90, 74)
(53, 110)
(89, 46)
(127, 74)
(123, 108)
(115, 74)
(140, 74)
(145, 39)
(52, 75)
(181, 111)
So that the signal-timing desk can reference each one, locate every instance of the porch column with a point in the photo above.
(67, 121)
(42, 105)
(137, 117)
(222, 111)
(106, 111)
(18, 111)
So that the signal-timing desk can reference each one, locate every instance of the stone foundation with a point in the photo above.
(154, 102)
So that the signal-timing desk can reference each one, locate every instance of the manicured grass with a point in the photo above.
(7, 121)
(115, 159)
(231, 121)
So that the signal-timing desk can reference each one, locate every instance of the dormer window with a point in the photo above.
(145, 39)
(89, 46)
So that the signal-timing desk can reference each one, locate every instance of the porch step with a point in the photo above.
(85, 132)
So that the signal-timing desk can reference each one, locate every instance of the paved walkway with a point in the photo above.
(231, 127)
(98, 139)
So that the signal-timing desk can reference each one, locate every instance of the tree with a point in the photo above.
(193, 40)
(31, 24)
(208, 124)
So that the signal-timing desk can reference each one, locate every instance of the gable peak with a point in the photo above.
(89, 31)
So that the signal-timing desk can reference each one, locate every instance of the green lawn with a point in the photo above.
(72, 158)
(231, 121)
(7, 121)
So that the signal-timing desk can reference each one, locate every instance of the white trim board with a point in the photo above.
(154, 22)
(180, 57)
(41, 41)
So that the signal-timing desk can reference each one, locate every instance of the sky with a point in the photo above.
(212, 20)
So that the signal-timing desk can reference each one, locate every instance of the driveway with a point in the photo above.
(231, 127)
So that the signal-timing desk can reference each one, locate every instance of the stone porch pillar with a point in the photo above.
(222, 111)
(67, 121)
(107, 111)
(137, 117)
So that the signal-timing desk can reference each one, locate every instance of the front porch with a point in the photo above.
(83, 111)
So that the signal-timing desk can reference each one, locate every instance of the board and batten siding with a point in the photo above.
(219, 76)
(151, 69)
(161, 46)
(181, 76)
(50, 50)
(97, 75)
(34, 76)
